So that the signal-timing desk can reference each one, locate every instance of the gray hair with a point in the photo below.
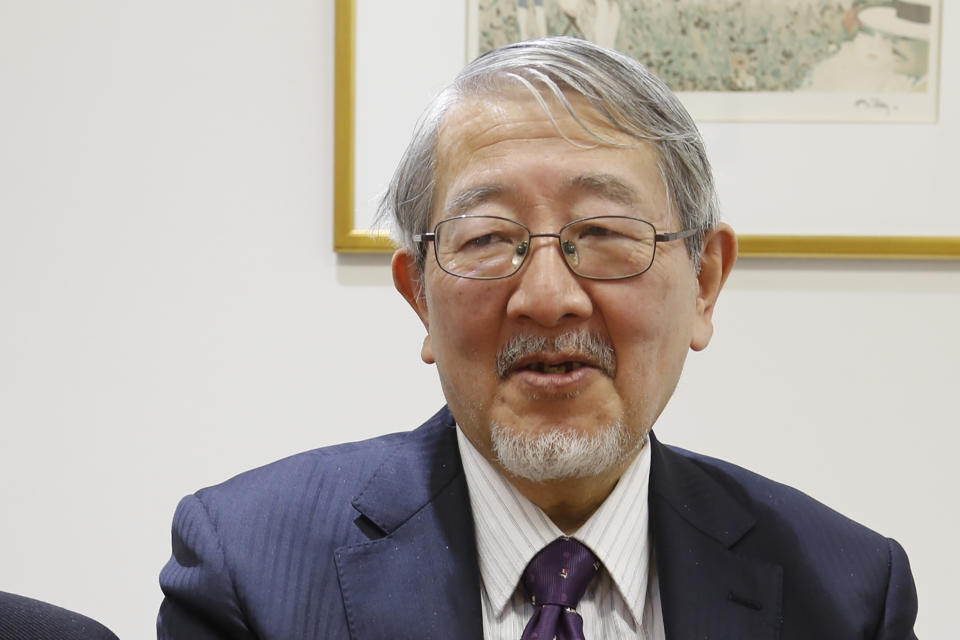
(622, 91)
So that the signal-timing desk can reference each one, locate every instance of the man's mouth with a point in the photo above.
(557, 355)
(560, 367)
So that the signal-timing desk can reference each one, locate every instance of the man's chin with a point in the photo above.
(562, 453)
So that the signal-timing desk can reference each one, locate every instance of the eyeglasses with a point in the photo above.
(600, 248)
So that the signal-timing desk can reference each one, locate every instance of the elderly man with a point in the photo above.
(561, 245)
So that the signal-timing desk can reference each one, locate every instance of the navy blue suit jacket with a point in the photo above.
(374, 540)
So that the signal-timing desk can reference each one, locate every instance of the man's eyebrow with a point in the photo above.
(606, 186)
(467, 200)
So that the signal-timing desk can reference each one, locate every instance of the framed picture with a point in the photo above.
(752, 60)
(816, 152)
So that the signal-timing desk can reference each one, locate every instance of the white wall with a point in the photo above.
(171, 311)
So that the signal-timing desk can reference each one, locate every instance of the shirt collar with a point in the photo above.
(618, 533)
(510, 529)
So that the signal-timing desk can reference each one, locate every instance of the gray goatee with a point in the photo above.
(561, 453)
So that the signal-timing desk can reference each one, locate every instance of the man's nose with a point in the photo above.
(547, 291)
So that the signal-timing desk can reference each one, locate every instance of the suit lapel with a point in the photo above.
(707, 589)
(418, 577)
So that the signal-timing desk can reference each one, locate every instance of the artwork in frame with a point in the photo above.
(879, 191)
(752, 60)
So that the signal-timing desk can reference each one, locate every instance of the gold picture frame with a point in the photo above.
(348, 238)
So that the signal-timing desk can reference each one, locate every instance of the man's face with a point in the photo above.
(506, 158)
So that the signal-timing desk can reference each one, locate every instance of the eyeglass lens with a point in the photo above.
(486, 247)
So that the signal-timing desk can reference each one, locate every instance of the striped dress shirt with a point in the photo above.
(622, 602)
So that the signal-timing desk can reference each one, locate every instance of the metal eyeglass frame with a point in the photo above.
(431, 236)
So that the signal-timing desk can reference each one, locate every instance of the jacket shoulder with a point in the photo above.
(333, 475)
(769, 499)
(245, 551)
(337, 468)
(834, 569)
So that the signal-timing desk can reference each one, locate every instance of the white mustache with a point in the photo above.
(581, 345)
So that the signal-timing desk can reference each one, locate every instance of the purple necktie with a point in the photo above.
(556, 579)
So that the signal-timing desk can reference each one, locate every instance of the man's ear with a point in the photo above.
(719, 255)
(409, 282)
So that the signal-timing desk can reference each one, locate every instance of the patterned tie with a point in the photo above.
(557, 578)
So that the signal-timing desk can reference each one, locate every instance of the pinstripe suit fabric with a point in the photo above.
(375, 540)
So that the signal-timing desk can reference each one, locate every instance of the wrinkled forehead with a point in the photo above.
(481, 128)
(511, 109)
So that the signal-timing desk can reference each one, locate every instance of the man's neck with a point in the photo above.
(569, 502)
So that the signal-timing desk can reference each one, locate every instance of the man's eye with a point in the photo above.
(594, 230)
(487, 240)
(482, 241)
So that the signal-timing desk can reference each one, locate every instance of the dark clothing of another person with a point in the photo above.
(28, 619)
